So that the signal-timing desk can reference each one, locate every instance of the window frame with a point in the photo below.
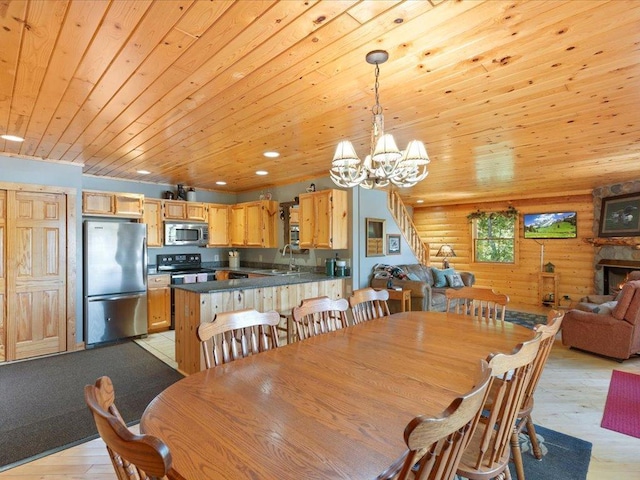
(474, 239)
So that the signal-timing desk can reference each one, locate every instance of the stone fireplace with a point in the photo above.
(614, 273)
(616, 257)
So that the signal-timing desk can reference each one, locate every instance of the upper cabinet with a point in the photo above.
(218, 225)
(253, 224)
(128, 205)
(153, 219)
(181, 210)
(324, 219)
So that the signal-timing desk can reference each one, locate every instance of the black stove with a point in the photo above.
(181, 264)
(183, 268)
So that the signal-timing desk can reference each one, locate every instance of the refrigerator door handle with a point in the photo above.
(102, 298)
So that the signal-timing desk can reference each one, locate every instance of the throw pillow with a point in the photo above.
(439, 278)
(413, 276)
(455, 280)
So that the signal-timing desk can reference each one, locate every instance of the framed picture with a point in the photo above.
(393, 244)
(375, 237)
(620, 216)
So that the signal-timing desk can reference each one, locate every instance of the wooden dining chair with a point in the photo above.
(133, 456)
(319, 315)
(436, 444)
(548, 334)
(480, 303)
(367, 304)
(238, 334)
(487, 454)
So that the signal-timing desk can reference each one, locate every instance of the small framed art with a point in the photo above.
(393, 244)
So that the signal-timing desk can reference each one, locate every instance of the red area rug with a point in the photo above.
(622, 410)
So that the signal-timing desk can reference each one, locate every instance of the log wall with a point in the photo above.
(573, 258)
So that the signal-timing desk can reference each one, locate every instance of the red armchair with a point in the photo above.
(616, 334)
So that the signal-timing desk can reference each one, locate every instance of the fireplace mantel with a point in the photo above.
(606, 262)
(633, 242)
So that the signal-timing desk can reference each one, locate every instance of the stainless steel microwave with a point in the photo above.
(186, 234)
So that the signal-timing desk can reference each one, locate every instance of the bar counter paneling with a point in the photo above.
(199, 302)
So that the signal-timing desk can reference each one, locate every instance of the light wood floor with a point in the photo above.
(570, 399)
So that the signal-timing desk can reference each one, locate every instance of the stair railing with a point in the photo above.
(407, 227)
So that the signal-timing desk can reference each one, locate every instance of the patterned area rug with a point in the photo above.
(528, 320)
(563, 457)
(621, 413)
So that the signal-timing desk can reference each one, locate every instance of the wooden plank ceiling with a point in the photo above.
(513, 99)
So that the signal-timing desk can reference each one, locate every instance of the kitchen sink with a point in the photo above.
(285, 272)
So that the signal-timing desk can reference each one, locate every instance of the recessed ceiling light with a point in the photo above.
(220, 182)
(262, 172)
(143, 172)
(12, 138)
(419, 201)
(271, 154)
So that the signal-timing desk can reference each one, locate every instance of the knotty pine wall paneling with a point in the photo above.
(573, 258)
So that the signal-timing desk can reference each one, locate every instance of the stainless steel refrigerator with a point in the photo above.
(115, 281)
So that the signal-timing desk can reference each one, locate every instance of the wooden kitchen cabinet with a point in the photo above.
(158, 303)
(129, 205)
(218, 225)
(253, 224)
(153, 219)
(324, 219)
(182, 210)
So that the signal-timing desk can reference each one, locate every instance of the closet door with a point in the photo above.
(36, 273)
(3, 274)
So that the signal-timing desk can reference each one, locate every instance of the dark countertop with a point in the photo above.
(252, 283)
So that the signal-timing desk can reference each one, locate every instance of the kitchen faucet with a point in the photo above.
(292, 262)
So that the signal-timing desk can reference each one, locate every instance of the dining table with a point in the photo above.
(333, 406)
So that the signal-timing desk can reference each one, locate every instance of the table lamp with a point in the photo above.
(445, 251)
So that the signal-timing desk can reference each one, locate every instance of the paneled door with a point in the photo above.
(36, 273)
(3, 274)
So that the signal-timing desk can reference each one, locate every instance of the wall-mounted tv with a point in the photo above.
(550, 225)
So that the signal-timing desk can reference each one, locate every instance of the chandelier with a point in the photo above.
(386, 163)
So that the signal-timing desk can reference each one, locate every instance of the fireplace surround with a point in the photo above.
(614, 273)
(615, 253)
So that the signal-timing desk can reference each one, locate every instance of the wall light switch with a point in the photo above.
(216, 257)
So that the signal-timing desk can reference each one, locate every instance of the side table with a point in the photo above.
(403, 296)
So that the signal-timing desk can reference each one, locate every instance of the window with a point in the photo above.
(494, 237)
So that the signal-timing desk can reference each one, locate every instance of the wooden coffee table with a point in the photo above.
(404, 296)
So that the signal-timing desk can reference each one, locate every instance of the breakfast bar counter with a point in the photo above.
(196, 303)
(268, 280)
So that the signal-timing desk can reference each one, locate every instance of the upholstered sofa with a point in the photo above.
(427, 284)
(615, 334)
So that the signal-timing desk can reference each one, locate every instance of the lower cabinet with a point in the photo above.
(158, 303)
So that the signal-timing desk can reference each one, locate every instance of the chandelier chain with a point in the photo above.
(377, 108)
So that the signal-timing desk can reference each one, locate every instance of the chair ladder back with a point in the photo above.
(479, 303)
(318, 315)
(548, 333)
(367, 304)
(134, 457)
(436, 444)
(238, 334)
(490, 445)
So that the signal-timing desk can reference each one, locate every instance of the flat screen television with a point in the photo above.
(550, 225)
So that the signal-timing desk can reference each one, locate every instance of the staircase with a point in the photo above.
(409, 231)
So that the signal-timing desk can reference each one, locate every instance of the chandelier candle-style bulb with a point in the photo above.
(386, 163)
